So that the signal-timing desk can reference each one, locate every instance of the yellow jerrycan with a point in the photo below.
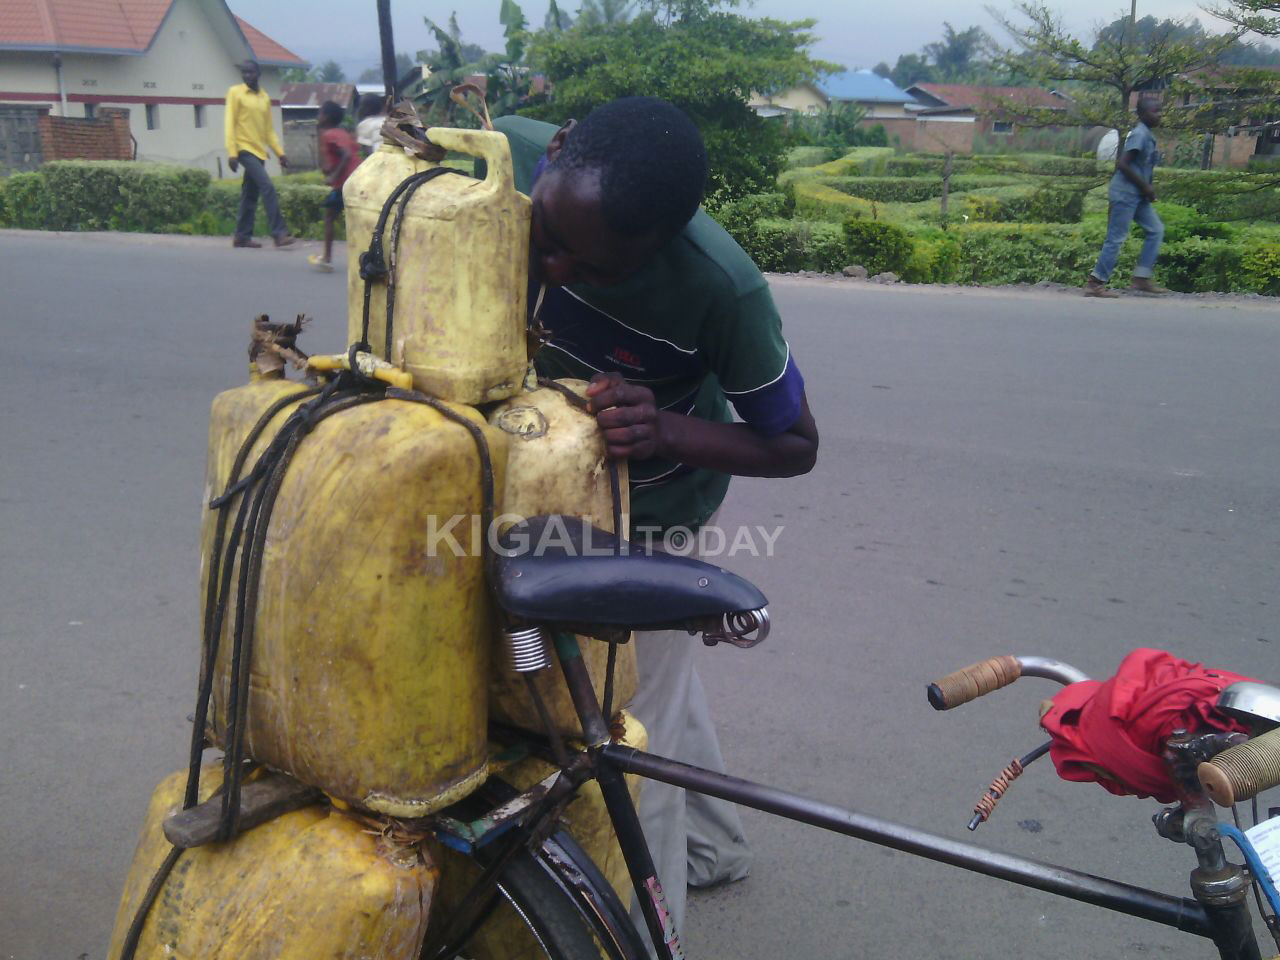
(556, 464)
(370, 656)
(504, 935)
(313, 884)
(459, 261)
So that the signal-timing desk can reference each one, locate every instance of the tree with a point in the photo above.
(605, 13)
(1253, 16)
(707, 64)
(1103, 73)
(955, 55)
(556, 19)
(912, 68)
(329, 72)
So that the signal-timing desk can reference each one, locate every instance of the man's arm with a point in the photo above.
(229, 125)
(1130, 173)
(634, 428)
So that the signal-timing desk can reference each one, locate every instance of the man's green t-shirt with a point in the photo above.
(697, 325)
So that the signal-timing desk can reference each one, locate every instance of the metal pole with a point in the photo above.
(388, 48)
(1179, 912)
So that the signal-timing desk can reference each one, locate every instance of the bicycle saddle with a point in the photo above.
(556, 569)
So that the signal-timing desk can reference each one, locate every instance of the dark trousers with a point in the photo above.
(257, 182)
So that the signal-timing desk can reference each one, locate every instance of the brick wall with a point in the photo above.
(939, 136)
(105, 137)
(904, 128)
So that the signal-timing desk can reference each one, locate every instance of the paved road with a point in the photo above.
(999, 472)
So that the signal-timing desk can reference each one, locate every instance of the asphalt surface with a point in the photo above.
(1000, 472)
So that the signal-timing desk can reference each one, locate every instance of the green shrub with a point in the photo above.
(1260, 268)
(877, 246)
(808, 156)
(1198, 264)
(912, 189)
(995, 253)
(866, 159)
(934, 259)
(300, 207)
(121, 195)
(1027, 205)
(814, 200)
(738, 217)
(26, 201)
(787, 246)
(1265, 163)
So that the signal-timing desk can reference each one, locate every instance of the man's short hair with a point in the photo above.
(651, 161)
(245, 64)
(332, 112)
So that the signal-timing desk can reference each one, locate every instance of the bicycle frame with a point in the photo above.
(1227, 924)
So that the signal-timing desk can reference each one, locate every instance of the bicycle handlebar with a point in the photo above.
(1243, 771)
(973, 681)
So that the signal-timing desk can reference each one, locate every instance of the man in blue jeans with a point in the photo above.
(249, 132)
(1131, 197)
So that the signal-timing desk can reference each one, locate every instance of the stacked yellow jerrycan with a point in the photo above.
(556, 465)
(310, 885)
(459, 298)
(371, 645)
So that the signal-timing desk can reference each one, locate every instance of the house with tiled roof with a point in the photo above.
(987, 104)
(162, 65)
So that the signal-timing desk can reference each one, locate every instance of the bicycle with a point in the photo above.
(548, 592)
(592, 583)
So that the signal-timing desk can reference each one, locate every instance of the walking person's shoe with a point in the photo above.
(320, 263)
(244, 242)
(1093, 287)
(1147, 285)
(284, 240)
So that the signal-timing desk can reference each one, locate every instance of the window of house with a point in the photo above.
(90, 110)
(199, 114)
(153, 116)
(1001, 126)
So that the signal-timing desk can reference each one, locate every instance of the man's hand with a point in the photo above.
(284, 162)
(1149, 194)
(233, 163)
(627, 414)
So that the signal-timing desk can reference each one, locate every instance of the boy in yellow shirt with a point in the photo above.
(249, 132)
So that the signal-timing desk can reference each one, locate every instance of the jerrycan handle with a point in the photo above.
(490, 146)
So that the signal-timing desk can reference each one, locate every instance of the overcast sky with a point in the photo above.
(856, 34)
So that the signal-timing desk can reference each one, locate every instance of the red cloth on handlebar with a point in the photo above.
(1120, 725)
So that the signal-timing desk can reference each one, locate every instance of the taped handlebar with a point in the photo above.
(973, 681)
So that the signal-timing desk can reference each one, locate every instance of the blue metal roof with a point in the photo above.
(865, 86)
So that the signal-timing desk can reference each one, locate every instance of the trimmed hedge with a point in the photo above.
(148, 198)
(1036, 164)
(119, 195)
(25, 203)
(912, 189)
(814, 200)
(808, 156)
(1033, 205)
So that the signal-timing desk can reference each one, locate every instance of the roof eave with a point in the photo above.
(64, 48)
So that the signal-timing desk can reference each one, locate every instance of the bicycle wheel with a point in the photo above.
(536, 917)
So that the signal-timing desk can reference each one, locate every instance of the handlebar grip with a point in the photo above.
(973, 681)
(1243, 771)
